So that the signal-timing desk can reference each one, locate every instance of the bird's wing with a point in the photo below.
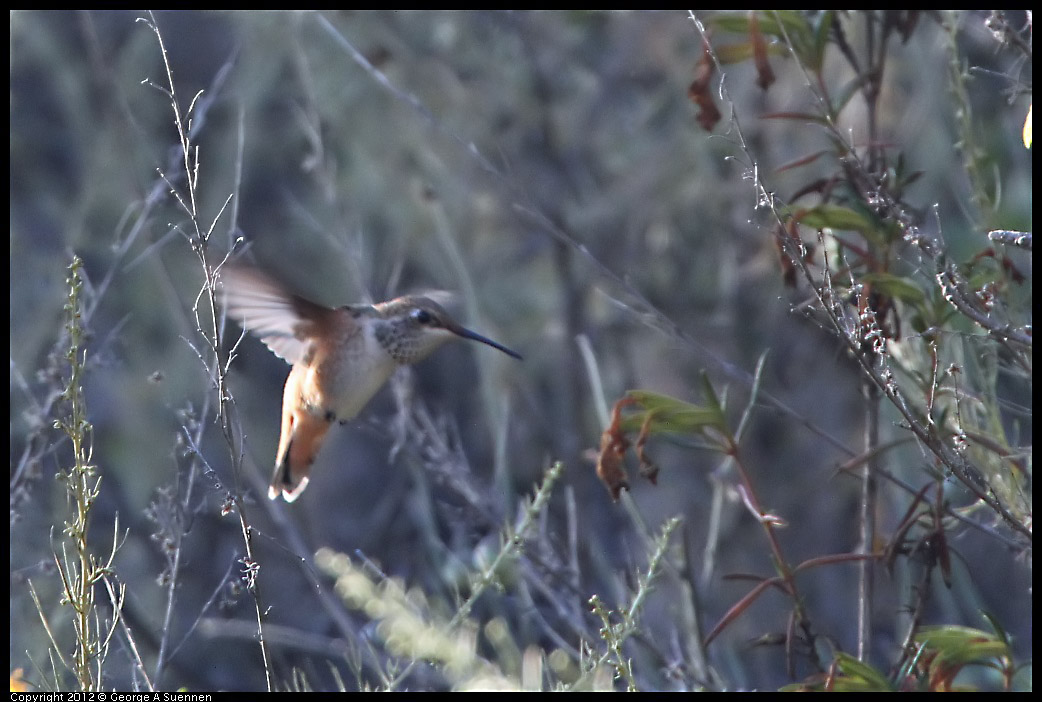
(285, 322)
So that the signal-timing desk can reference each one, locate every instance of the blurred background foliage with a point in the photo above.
(549, 167)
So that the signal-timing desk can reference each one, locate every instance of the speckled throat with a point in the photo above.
(412, 327)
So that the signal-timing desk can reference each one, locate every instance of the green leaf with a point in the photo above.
(849, 90)
(670, 415)
(736, 22)
(733, 53)
(794, 23)
(796, 26)
(771, 23)
(941, 636)
(796, 116)
(960, 645)
(1000, 632)
(896, 287)
(743, 51)
(711, 397)
(833, 217)
(975, 652)
(821, 38)
(859, 677)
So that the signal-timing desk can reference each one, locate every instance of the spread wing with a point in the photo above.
(285, 322)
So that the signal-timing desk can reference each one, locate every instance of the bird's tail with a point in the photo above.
(302, 436)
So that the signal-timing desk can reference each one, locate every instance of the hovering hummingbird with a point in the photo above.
(341, 357)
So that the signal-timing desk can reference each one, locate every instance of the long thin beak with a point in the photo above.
(468, 334)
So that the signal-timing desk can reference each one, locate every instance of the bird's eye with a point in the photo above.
(422, 316)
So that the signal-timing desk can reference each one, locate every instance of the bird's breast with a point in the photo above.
(349, 374)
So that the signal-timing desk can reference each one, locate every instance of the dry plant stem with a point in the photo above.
(210, 602)
(199, 239)
(968, 135)
(921, 592)
(643, 308)
(156, 194)
(869, 486)
(514, 540)
(81, 571)
(796, 252)
(948, 512)
(927, 434)
(419, 423)
(695, 643)
(1012, 238)
(175, 565)
(34, 450)
(78, 579)
(780, 564)
(616, 635)
(683, 572)
(1018, 340)
(117, 596)
(304, 556)
(869, 499)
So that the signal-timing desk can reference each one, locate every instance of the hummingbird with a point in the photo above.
(340, 357)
